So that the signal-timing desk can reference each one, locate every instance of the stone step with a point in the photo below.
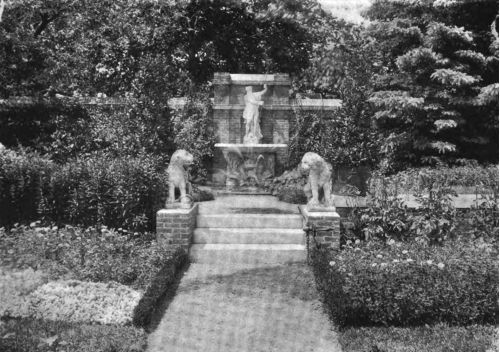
(280, 221)
(247, 253)
(248, 236)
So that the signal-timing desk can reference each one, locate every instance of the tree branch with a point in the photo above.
(46, 20)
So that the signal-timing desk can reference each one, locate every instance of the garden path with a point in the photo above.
(243, 307)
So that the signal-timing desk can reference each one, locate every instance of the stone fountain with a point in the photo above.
(252, 115)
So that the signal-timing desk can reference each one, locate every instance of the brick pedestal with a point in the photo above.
(174, 227)
(326, 225)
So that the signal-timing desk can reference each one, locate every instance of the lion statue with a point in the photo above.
(320, 177)
(178, 176)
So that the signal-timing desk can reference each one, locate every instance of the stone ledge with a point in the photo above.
(284, 106)
(318, 215)
(179, 211)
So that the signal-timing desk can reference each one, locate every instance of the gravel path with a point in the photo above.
(228, 308)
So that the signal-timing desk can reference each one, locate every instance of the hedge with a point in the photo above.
(406, 284)
(163, 278)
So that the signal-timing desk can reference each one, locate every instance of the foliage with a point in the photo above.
(201, 195)
(482, 179)
(67, 128)
(118, 192)
(23, 177)
(435, 338)
(257, 36)
(428, 99)
(435, 219)
(194, 132)
(116, 46)
(410, 283)
(289, 187)
(342, 67)
(98, 255)
(150, 49)
(31, 123)
(335, 136)
(31, 335)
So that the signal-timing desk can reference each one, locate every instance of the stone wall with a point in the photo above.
(175, 227)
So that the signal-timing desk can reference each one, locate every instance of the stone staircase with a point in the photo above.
(248, 229)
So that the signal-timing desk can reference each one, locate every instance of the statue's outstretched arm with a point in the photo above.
(262, 92)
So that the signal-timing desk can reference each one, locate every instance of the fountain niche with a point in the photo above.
(252, 115)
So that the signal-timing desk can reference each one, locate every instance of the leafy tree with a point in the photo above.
(257, 36)
(342, 66)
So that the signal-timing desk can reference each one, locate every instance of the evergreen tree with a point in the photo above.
(438, 99)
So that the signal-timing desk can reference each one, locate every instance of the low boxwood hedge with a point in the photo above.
(163, 280)
(405, 284)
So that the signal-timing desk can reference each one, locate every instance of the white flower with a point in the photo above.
(405, 252)
(379, 256)
(409, 260)
(395, 261)
(441, 266)
(429, 262)
(374, 264)
(332, 263)
(391, 242)
(357, 249)
(357, 242)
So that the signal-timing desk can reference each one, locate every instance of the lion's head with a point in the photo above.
(312, 161)
(181, 158)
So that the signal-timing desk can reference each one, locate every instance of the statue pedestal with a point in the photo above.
(175, 227)
(325, 226)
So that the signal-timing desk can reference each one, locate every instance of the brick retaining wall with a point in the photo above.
(175, 227)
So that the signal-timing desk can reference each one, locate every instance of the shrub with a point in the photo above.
(410, 283)
(23, 176)
(289, 187)
(118, 192)
(201, 195)
(436, 218)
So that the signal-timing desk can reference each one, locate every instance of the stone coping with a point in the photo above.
(177, 211)
(251, 147)
(326, 104)
(463, 201)
(317, 214)
(251, 79)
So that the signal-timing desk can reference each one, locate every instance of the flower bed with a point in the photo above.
(120, 265)
(410, 283)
